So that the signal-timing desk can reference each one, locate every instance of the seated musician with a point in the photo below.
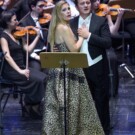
(36, 7)
(128, 26)
(114, 27)
(21, 8)
(29, 80)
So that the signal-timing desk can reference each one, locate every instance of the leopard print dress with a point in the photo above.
(81, 115)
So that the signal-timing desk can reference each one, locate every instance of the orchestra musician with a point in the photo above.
(29, 80)
(114, 26)
(129, 24)
(21, 7)
(36, 9)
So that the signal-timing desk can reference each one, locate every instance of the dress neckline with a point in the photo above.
(11, 37)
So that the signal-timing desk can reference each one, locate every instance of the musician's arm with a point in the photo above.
(114, 27)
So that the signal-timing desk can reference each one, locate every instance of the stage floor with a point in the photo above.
(122, 112)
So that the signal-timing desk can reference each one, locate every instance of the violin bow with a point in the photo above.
(27, 53)
(23, 18)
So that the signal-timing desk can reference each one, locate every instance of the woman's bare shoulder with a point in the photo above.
(62, 28)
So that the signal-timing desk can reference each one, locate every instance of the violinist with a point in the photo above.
(29, 80)
(21, 8)
(114, 26)
(37, 9)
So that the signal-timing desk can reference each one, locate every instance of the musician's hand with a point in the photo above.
(25, 72)
(106, 10)
(37, 30)
(120, 12)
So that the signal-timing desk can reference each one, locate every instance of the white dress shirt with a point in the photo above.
(84, 47)
(33, 54)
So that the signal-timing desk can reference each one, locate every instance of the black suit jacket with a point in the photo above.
(99, 41)
(97, 75)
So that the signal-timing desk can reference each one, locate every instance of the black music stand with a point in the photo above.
(63, 60)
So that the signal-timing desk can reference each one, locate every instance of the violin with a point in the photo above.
(22, 31)
(45, 18)
(104, 9)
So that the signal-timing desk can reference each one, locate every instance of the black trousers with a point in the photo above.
(98, 81)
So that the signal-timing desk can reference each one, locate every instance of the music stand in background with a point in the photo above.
(63, 60)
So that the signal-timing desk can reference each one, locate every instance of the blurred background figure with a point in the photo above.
(4, 5)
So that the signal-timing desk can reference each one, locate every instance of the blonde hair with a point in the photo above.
(56, 19)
